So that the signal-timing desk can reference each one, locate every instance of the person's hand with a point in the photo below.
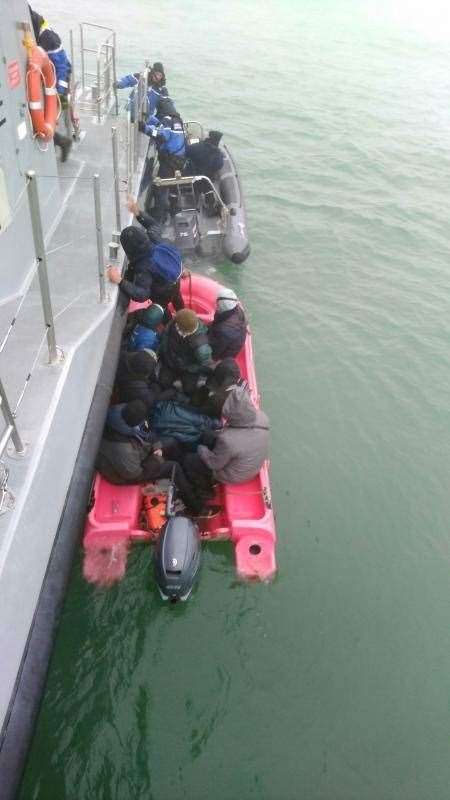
(186, 272)
(132, 205)
(141, 126)
(116, 85)
(158, 453)
(113, 274)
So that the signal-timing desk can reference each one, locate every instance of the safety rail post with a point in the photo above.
(129, 155)
(11, 427)
(41, 257)
(115, 152)
(99, 232)
(99, 90)
(82, 56)
(116, 99)
(72, 57)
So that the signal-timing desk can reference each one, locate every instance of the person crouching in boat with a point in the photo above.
(136, 378)
(210, 396)
(154, 269)
(238, 450)
(130, 453)
(171, 146)
(228, 330)
(205, 158)
(184, 351)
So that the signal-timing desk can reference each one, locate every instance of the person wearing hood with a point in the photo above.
(154, 269)
(130, 453)
(49, 40)
(141, 331)
(210, 397)
(135, 378)
(228, 330)
(240, 447)
(185, 352)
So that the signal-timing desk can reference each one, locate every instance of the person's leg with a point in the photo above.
(64, 143)
(176, 297)
(172, 470)
(199, 474)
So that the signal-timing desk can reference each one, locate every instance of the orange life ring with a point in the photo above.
(43, 107)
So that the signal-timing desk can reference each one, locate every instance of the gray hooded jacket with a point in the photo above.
(242, 445)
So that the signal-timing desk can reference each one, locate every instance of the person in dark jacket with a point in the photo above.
(228, 330)
(136, 380)
(206, 157)
(49, 40)
(142, 281)
(125, 456)
(240, 447)
(210, 397)
(184, 351)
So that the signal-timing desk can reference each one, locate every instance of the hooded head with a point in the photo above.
(226, 300)
(134, 413)
(214, 137)
(135, 242)
(186, 322)
(142, 363)
(153, 316)
(238, 408)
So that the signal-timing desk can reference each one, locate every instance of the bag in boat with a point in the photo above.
(166, 262)
(183, 424)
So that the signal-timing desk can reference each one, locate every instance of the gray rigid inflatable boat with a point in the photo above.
(208, 218)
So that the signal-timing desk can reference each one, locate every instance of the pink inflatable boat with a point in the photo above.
(120, 515)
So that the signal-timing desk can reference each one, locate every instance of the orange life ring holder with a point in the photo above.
(43, 106)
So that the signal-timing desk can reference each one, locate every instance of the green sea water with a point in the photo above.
(332, 683)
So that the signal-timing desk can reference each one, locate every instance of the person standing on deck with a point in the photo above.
(49, 40)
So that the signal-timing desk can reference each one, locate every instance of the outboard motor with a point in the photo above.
(177, 555)
(186, 230)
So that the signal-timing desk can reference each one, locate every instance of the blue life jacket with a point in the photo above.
(166, 262)
(183, 424)
(143, 338)
(51, 43)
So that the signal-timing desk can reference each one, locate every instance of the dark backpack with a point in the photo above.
(166, 262)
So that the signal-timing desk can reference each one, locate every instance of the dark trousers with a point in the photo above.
(154, 468)
(167, 376)
(199, 475)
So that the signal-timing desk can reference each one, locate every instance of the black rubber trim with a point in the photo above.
(20, 722)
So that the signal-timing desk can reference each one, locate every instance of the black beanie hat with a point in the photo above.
(143, 362)
(215, 137)
(134, 413)
(134, 241)
(158, 67)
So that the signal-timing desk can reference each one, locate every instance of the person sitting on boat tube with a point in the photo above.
(184, 351)
(237, 451)
(154, 269)
(228, 330)
(49, 40)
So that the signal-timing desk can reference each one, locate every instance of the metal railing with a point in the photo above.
(98, 71)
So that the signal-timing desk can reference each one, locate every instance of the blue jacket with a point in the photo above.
(51, 43)
(174, 142)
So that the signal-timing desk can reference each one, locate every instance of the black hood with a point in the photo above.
(135, 242)
(36, 21)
